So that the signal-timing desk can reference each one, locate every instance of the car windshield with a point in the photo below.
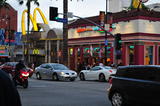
(13, 63)
(59, 67)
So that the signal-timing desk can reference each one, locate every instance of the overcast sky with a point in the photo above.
(80, 8)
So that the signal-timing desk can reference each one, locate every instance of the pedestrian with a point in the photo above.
(101, 64)
(88, 67)
(9, 95)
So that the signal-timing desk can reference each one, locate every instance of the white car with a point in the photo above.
(101, 73)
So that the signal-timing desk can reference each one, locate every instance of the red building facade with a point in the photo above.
(8, 27)
(140, 36)
(8, 16)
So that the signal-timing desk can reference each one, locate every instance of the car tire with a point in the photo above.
(102, 77)
(117, 99)
(38, 76)
(55, 77)
(82, 77)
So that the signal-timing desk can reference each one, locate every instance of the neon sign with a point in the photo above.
(80, 30)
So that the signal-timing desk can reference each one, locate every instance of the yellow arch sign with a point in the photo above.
(33, 20)
(36, 51)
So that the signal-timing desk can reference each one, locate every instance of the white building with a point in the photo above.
(118, 5)
(155, 7)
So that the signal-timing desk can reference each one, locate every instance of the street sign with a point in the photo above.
(106, 42)
(63, 20)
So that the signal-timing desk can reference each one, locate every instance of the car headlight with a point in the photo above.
(25, 75)
(62, 73)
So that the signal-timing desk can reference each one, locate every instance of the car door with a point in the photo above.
(48, 71)
(141, 87)
(6, 67)
(151, 91)
(93, 73)
(43, 71)
(130, 85)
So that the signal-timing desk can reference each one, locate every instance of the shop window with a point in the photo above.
(70, 51)
(87, 51)
(78, 52)
(149, 55)
(96, 51)
(131, 54)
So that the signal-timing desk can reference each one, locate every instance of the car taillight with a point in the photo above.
(110, 80)
(110, 71)
(110, 84)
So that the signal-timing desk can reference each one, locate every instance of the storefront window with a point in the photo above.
(78, 52)
(131, 54)
(71, 51)
(86, 51)
(149, 55)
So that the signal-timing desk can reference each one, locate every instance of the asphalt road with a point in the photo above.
(64, 93)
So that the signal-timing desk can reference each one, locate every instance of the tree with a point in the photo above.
(3, 2)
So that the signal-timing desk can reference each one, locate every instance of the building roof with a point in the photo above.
(9, 6)
(120, 16)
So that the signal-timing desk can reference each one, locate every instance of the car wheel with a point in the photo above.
(82, 77)
(102, 78)
(38, 76)
(117, 99)
(55, 77)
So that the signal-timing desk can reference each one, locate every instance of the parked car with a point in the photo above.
(101, 73)
(55, 72)
(137, 84)
(9, 67)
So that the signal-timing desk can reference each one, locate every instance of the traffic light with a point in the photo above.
(118, 42)
(53, 13)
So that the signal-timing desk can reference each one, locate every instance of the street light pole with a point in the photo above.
(106, 41)
(65, 33)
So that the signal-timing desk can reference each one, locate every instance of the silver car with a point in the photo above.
(55, 72)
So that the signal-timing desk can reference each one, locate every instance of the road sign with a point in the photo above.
(63, 20)
(106, 42)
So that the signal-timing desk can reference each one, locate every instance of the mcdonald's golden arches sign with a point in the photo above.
(33, 20)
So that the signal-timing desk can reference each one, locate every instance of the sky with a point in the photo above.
(82, 8)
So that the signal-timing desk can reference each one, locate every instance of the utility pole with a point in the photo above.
(28, 25)
(65, 34)
(106, 41)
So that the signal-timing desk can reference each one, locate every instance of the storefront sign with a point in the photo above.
(36, 51)
(80, 30)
